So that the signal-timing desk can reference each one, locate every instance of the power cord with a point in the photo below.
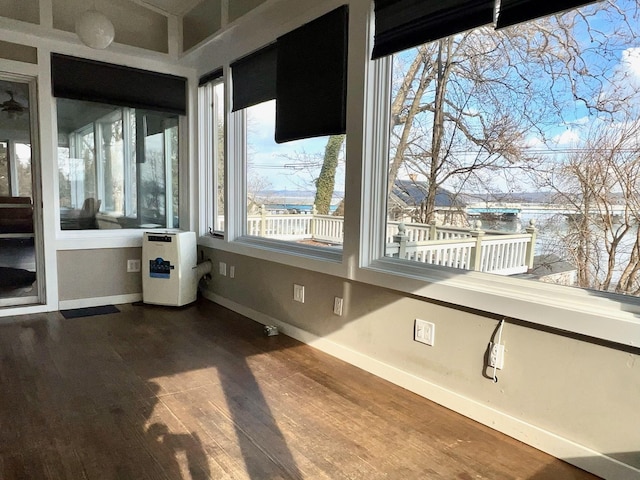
(499, 342)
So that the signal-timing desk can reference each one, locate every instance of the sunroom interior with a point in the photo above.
(209, 115)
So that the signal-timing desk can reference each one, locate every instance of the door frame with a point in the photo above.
(10, 304)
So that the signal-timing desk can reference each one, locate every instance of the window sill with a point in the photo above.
(96, 239)
(606, 317)
(317, 259)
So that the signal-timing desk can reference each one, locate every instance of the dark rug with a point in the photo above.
(16, 277)
(89, 311)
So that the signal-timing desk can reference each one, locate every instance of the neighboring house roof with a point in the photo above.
(410, 193)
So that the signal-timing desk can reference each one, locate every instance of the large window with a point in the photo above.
(515, 151)
(117, 167)
(290, 104)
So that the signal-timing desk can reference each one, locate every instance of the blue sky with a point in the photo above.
(286, 166)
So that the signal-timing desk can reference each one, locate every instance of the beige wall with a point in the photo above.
(201, 22)
(97, 273)
(23, 10)
(574, 388)
(19, 53)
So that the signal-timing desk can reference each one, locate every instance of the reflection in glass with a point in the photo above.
(117, 167)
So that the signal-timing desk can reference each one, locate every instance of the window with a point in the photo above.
(290, 104)
(492, 129)
(212, 153)
(295, 190)
(117, 167)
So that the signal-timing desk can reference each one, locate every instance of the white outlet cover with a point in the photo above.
(298, 293)
(424, 332)
(133, 265)
(337, 305)
(496, 356)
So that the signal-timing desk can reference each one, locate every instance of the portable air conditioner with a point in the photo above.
(169, 268)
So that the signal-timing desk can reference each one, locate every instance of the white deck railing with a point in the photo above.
(467, 249)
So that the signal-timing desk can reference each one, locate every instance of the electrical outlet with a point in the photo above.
(424, 332)
(133, 265)
(232, 271)
(223, 269)
(496, 355)
(298, 293)
(337, 306)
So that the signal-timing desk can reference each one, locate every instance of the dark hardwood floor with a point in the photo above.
(200, 393)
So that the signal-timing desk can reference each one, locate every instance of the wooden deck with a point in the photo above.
(199, 393)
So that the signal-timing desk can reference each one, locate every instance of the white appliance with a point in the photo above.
(169, 268)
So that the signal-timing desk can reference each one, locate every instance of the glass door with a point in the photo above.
(21, 281)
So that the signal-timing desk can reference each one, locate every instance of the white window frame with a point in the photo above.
(607, 317)
(209, 156)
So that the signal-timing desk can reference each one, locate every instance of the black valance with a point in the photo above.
(311, 86)
(254, 78)
(90, 80)
(209, 77)
(518, 11)
(402, 24)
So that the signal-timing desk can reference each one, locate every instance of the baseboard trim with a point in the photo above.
(99, 301)
(548, 442)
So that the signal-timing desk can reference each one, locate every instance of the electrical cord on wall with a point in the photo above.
(499, 342)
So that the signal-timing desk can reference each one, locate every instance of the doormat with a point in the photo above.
(89, 311)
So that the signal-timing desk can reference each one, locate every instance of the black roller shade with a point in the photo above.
(209, 77)
(254, 78)
(402, 24)
(93, 81)
(312, 78)
(518, 11)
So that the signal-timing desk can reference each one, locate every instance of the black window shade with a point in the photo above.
(254, 78)
(312, 78)
(209, 77)
(518, 11)
(402, 24)
(90, 80)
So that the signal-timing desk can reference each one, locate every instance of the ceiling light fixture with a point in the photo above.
(13, 108)
(95, 29)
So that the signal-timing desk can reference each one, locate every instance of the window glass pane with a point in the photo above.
(23, 165)
(295, 190)
(491, 130)
(211, 129)
(111, 165)
(5, 185)
(118, 167)
(219, 156)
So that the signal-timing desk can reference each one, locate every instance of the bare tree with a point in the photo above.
(326, 180)
(599, 183)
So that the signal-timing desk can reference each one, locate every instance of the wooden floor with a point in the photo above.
(199, 393)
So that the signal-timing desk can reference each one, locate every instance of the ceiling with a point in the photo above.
(173, 7)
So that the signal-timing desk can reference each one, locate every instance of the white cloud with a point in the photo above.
(630, 61)
(263, 114)
(568, 137)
